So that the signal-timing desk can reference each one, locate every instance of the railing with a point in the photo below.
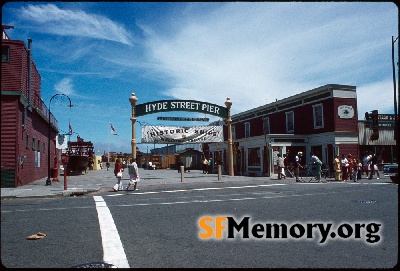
(44, 111)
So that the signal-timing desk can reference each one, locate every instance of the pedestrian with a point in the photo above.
(297, 165)
(344, 164)
(118, 173)
(374, 166)
(354, 172)
(315, 160)
(133, 174)
(359, 170)
(100, 164)
(350, 167)
(285, 163)
(205, 165)
(281, 167)
(366, 163)
(337, 168)
(210, 165)
(108, 165)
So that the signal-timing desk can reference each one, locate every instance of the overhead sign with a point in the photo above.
(174, 134)
(182, 119)
(180, 105)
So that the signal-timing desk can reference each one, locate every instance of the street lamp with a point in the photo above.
(396, 118)
(228, 105)
(48, 181)
(133, 99)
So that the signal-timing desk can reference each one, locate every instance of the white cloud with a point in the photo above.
(65, 86)
(376, 96)
(256, 53)
(51, 19)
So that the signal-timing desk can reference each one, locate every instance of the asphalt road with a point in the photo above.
(159, 227)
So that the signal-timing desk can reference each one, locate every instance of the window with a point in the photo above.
(266, 126)
(44, 147)
(233, 132)
(247, 129)
(27, 142)
(5, 54)
(38, 145)
(33, 143)
(254, 157)
(318, 114)
(290, 122)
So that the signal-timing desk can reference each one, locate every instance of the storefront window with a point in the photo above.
(254, 157)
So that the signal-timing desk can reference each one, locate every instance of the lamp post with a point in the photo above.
(396, 118)
(228, 105)
(133, 99)
(48, 181)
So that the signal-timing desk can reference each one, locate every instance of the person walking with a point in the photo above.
(374, 166)
(133, 174)
(281, 167)
(314, 159)
(205, 165)
(337, 168)
(117, 169)
(297, 165)
(366, 163)
(344, 164)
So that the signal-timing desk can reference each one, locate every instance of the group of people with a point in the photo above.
(133, 172)
(314, 160)
(349, 168)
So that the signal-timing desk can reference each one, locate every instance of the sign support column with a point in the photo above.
(228, 104)
(133, 101)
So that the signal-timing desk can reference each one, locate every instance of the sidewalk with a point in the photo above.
(94, 180)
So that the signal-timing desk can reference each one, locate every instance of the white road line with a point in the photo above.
(113, 250)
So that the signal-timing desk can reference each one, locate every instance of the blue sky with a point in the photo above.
(98, 53)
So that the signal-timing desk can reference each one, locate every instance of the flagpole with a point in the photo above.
(108, 132)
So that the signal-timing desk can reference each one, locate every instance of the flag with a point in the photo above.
(113, 130)
(70, 129)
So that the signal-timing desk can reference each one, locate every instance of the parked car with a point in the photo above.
(392, 172)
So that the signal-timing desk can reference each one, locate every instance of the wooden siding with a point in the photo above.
(8, 132)
(303, 120)
(14, 74)
(345, 125)
(14, 99)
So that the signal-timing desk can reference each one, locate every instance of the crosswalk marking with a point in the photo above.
(194, 189)
(113, 250)
(237, 187)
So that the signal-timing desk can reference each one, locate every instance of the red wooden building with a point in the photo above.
(24, 116)
(322, 120)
